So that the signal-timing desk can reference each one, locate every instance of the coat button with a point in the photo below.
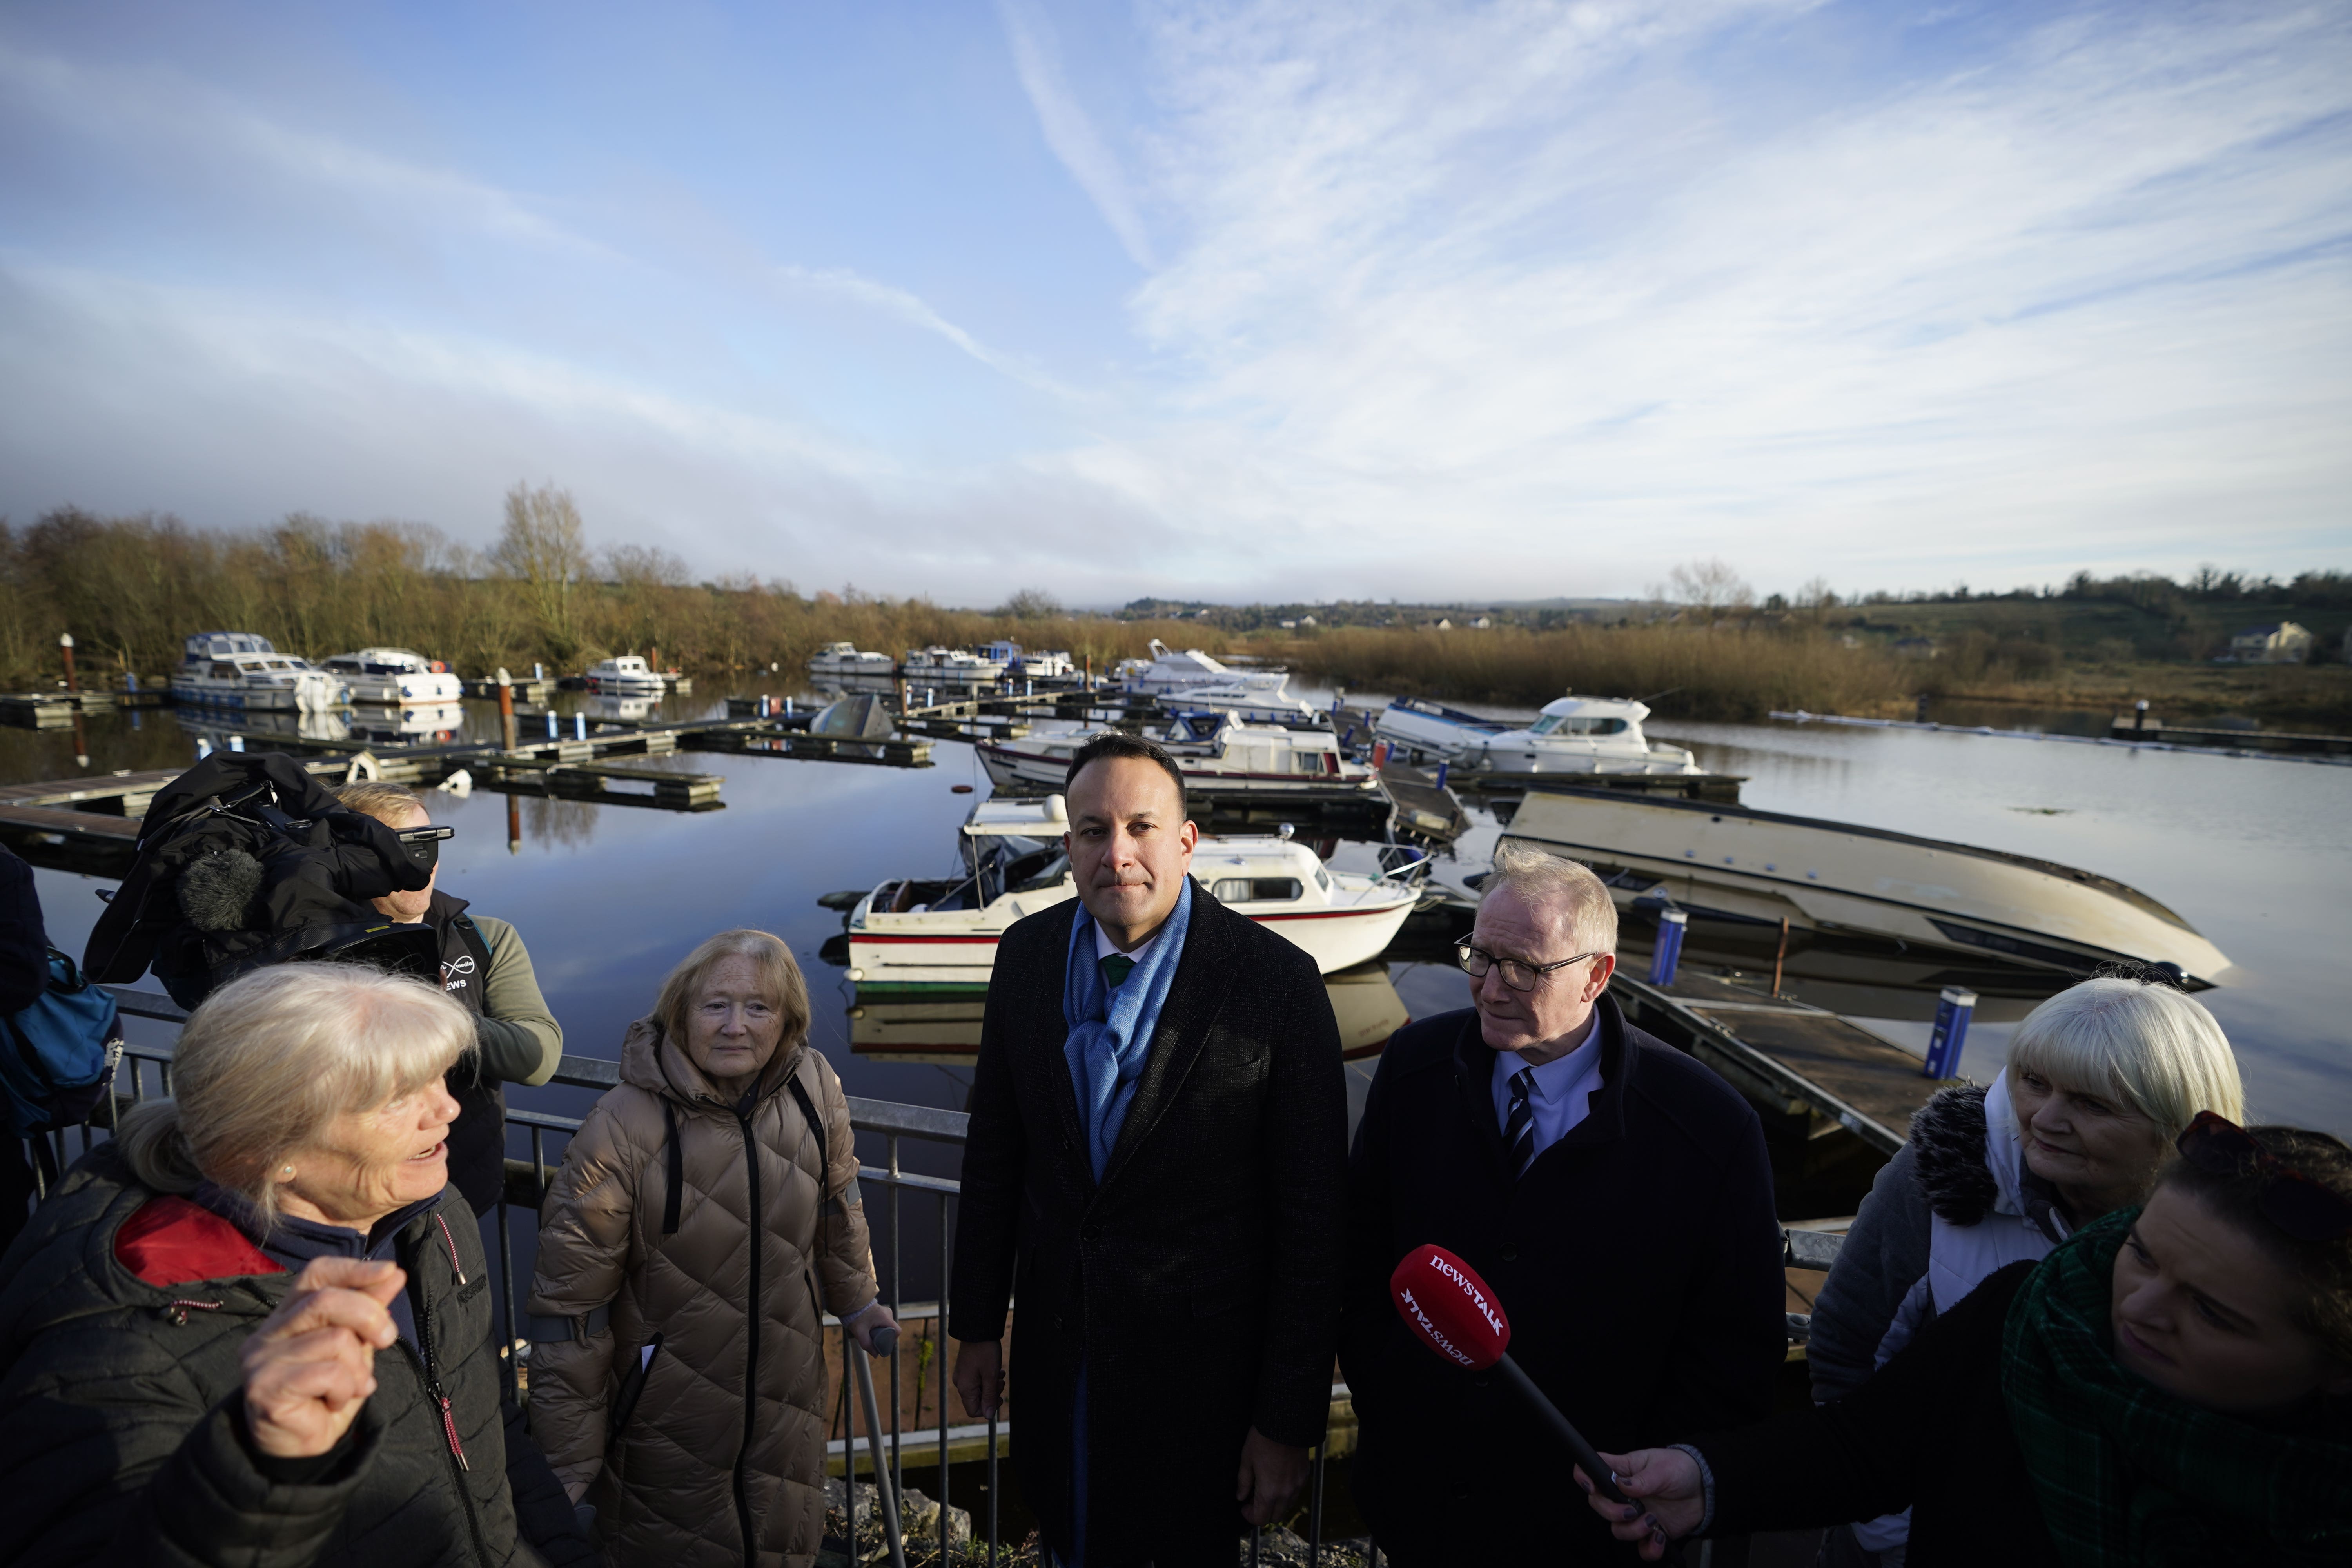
(1510, 1252)
(1091, 1233)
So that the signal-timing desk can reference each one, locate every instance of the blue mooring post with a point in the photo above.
(539, 672)
(788, 707)
(551, 724)
(1952, 1013)
(236, 742)
(1442, 767)
(1668, 953)
(580, 726)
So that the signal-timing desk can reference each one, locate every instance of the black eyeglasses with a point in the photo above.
(1475, 960)
(2304, 1208)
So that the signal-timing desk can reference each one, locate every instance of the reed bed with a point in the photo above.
(1728, 670)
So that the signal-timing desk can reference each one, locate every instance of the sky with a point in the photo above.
(1286, 302)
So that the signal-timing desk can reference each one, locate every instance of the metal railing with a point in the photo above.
(527, 1180)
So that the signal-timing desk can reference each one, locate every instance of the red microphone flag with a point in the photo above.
(1443, 1300)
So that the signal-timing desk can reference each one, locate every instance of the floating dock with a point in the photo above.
(56, 710)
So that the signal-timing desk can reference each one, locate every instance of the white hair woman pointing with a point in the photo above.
(255, 1328)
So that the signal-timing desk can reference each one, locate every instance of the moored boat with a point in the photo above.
(394, 677)
(1220, 755)
(626, 675)
(942, 932)
(1571, 735)
(1023, 664)
(949, 666)
(1742, 864)
(238, 669)
(844, 661)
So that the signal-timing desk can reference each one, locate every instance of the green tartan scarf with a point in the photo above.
(2129, 1475)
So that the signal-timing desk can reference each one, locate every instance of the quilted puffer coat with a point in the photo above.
(720, 1460)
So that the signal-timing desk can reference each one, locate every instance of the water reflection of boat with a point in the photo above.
(942, 932)
(1571, 735)
(423, 724)
(1737, 863)
(218, 728)
(628, 708)
(946, 1030)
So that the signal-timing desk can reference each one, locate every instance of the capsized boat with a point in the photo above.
(626, 675)
(929, 932)
(395, 675)
(1571, 735)
(1737, 862)
(238, 669)
(844, 661)
(1220, 754)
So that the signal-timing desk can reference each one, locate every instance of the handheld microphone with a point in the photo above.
(1450, 1310)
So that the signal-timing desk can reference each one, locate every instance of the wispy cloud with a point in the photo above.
(1069, 131)
(901, 305)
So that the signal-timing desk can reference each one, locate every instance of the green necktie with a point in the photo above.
(1115, 966)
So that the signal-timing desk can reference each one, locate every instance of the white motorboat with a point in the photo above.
(238, 669)
(1194, 674)
(949, 667)
(844, 661)
(942, 932)
(1571, 735)
(1743, 864)
(626, 675)
(1220, 755)
(393, 676)
(1020, 664)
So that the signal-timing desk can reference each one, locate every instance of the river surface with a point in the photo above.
(2252, 852)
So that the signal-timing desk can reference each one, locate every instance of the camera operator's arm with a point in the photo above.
(520, 1040)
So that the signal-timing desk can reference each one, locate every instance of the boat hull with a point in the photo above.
(1009, 768)
(1834, 876)
(963, 959)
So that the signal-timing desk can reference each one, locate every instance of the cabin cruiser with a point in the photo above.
(238, 669)
(1737, 863)
(1571, 735)
(393, 676)
(1194, 674)
(1045, 664)
(1220, 754)
(943, 932)
(949, 667)
(627, 676)
(844, 661)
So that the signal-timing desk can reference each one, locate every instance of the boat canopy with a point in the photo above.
(226, 645)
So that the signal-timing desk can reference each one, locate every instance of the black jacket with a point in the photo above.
(1929, 1430)
(120, 1423)
(1638, 1262)
(24, 941)
(1200, 1281)
(478, 1139)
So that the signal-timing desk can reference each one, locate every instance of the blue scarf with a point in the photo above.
(1110, 1030)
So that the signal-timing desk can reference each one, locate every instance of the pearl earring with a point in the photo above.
(287, 1170)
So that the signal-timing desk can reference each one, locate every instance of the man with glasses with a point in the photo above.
(1614, 1193)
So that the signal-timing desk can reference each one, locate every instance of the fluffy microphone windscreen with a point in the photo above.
(215, 892)
(1443, 1300)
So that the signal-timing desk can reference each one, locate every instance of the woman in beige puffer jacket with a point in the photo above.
(711, 1285)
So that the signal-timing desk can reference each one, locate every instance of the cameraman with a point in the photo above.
(485, 966)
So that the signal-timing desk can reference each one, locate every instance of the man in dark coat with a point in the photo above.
(1515, 1134)
(1156, 1165)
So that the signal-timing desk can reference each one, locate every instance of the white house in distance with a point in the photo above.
(2284, 643)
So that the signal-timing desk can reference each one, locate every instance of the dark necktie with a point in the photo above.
(1115, 967)
(1519, 1127)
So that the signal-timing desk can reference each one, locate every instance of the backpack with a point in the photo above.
(57, 1061)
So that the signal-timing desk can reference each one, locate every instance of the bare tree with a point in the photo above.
(1031, 604)
(542, 544)
(645, 566)
(1816, 594)
(1710, 585)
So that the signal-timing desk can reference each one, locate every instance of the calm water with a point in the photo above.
(2252, 852)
